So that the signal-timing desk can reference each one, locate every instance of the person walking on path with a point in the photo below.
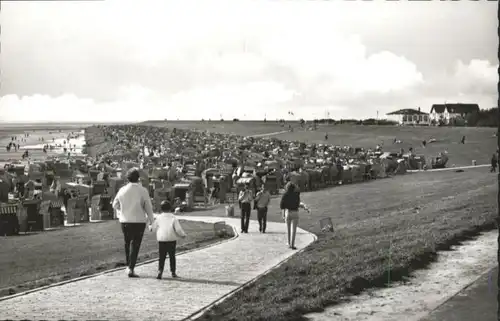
(134, 209)
(262, 201)
(494, 163)
(168, 231)
(245, 198)
(290, 204)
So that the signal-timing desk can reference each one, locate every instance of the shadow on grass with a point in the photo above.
(401, 274)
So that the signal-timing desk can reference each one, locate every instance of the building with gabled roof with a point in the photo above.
(409, 116)
(446, 112)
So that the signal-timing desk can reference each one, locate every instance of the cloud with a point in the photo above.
(194, 59)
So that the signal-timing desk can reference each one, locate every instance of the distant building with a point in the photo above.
(410, 117)
(447, 112)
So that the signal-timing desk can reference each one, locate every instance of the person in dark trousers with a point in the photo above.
(168, 231)
(462, 141)
(245, 198)
(134, 209)
(494, 163)
(262, 200)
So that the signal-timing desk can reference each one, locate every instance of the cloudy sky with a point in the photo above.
(121, 60)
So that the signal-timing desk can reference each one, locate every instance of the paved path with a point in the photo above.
(476, 302)
(448, 168)
(206, 276)
(269, 134)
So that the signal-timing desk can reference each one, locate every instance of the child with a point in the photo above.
(168, 230)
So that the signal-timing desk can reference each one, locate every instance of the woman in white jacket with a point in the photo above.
(168, 230)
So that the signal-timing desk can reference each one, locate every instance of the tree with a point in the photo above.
(472, 119)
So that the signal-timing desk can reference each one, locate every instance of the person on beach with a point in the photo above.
(168, 231)
(494, 163)
(290, 204)
(262, 200)
(245, 198)
(133, 206)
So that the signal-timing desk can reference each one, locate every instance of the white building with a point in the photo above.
(447, 112)
(410, 117)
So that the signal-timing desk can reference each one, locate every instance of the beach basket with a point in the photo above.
(220, 229)
(326, 224)
(230, 210)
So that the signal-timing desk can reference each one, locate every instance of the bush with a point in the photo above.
(483, 118)
(234, 119)
(380, 122)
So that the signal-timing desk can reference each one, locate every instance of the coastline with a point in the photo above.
(95, 142)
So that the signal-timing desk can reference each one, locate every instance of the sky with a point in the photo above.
(128, 60)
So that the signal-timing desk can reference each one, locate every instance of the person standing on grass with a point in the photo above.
(262, 201)
(134, 209)
(290, 204)
(245, 198)
(168, 231)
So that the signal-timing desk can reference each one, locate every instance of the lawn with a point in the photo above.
(415, 215)
(479, 144)
(244, 128)
(34, 260)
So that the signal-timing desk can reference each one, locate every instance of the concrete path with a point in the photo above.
(206, 276)
(270, 134)
(448, 168)
(476, 302)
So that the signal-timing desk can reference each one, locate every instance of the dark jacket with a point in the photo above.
(290, 201)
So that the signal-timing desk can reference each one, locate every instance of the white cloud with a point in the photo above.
(200, 59)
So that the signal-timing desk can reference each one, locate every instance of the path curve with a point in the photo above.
(447, 168)
(269, 134)
(208, 276)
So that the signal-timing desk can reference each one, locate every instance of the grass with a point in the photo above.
(418, 214)
(34, 260)
(244, 128)
(480, 143)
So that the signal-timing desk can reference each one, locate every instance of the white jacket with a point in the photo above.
(132, 203)
(168, 228)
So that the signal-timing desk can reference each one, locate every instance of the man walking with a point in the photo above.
(134, 209)
(245, 198)
(262, 201)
